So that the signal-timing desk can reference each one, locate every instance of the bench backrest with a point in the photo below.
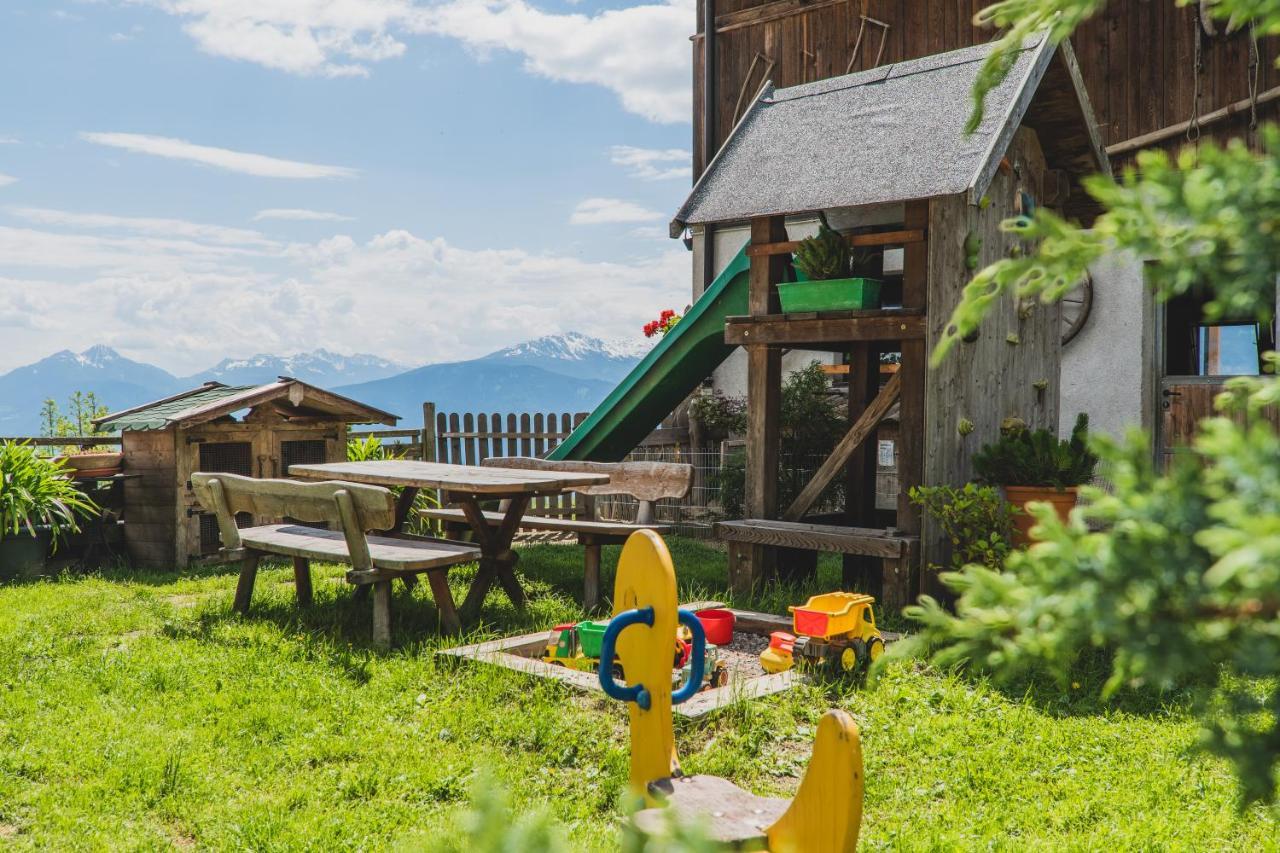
(354, 507)
(645, 481)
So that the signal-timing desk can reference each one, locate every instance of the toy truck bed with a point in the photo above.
(829, 615)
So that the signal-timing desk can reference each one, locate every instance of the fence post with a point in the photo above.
(428, 432)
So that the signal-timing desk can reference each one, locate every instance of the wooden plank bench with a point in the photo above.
(353, 510)
(896, 551)
(647, 482)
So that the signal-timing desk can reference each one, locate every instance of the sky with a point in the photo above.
(186, 180)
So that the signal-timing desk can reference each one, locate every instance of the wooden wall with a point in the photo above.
(995, 376)
(151, 501)
(1137, 57)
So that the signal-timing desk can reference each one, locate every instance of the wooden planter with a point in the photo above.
(82, 465)
(1019, 496)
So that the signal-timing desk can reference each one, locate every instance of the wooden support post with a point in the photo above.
(302, 580)
(591, 573)
(754, 563)
(859, 571)
(244, 586)
(382, 614)
(913, 370)
(428, 432)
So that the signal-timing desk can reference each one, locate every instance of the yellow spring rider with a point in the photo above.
(825, 814)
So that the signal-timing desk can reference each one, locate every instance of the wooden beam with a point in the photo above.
(795, 330)
(872, 542)
(857, 571)
(857, 433)
(914, 372)
(883, 238)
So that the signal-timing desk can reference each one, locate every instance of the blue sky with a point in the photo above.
(191, 179)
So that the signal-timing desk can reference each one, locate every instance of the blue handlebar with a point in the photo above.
(698, 660)
(623, 693)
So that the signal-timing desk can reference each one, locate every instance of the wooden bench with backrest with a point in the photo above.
(897, 552)
(352, 510)
(647, 482)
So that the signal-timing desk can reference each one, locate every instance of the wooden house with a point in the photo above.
(881, 155)
(256, 431)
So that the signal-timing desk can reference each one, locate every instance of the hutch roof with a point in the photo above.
(287, 397)
(896, 133)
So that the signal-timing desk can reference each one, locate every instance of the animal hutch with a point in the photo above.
(256, 431)
(883, 157)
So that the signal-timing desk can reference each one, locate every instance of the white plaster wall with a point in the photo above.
(1108, 369)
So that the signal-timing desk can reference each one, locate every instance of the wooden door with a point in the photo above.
(1184, 402)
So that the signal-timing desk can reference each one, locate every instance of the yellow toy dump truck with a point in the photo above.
(838, 627)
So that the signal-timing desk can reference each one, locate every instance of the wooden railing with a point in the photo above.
(62, 441)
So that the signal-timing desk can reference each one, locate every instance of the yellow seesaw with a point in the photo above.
(825, 814)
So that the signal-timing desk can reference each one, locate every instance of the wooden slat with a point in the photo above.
(814, 537)
(550, 522)
(882, 238)
(312, 502)
(455, 444)
(293, 540)
(461, 478)
(842, 328)
(645, 481)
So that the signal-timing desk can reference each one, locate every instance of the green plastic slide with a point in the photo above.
(664, 377)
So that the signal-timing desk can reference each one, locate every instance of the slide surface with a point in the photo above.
(664, 377)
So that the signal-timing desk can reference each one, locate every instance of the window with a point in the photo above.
(1196, 347)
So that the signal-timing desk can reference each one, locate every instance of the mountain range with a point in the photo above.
(568, 372)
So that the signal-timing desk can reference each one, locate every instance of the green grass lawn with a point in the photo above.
(139, 712)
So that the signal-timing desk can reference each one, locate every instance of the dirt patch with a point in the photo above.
(9, 830)
(742, 656)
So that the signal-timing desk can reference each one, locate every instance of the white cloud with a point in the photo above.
(5, 180)
(221, 158)
(641, 53)
(299, 214)
(601, 211)
(179, 228)
(10, 140)
(184, 302)
(652, 164)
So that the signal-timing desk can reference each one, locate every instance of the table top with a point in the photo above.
(459, 478)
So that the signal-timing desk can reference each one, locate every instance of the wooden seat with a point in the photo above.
(896, 551)
(354, 510)
(647, 482)
(551, 522)
(730, 815)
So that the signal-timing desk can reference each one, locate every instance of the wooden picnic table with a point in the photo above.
(466, 485)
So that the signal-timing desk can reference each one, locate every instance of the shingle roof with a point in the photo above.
(213, 400)
(894, 133)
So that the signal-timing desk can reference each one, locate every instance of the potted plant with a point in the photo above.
(1034, 465)
(823, 266)
(39, 504)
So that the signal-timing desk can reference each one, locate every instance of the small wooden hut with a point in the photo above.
(256, 431)
(882, 155)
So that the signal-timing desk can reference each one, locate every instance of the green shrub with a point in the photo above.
(823, 257)
(1024, 457)
(37, 492)
(977, 520)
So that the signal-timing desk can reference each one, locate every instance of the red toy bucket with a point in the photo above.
(718, 625)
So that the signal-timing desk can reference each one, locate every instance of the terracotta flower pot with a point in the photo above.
(1062, 502)
(93, 464)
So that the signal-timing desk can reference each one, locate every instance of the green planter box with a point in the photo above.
(837, 294)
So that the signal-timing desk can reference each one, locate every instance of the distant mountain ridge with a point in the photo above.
(569, 372)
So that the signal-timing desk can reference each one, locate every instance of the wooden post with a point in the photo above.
(913, 370)
(858, 571)
(753, 563)
(428, 432)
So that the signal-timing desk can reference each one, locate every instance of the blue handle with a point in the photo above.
(623, 693)
(698, 660)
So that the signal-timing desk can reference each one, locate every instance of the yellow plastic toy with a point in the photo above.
(825, 814)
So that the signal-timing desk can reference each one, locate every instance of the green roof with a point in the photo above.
(163, 414)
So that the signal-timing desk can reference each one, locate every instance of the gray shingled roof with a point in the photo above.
(893, 133)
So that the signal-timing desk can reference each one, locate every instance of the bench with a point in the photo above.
(896, 551)
(647, 482)
(352, 510)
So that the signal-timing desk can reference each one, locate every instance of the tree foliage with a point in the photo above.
(1172, 576)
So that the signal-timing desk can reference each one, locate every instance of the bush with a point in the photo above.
(823, 257)
(977, 520)
(37, 492)
(1025, 458)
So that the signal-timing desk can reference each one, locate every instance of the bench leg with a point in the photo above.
(244, 587)
(382, 614)
(361, 594)
(449, 621)
(302, 580)
(591, 576)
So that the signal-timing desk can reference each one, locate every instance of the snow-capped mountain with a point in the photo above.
(116, 382)
(320, 367)
(575, 354)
